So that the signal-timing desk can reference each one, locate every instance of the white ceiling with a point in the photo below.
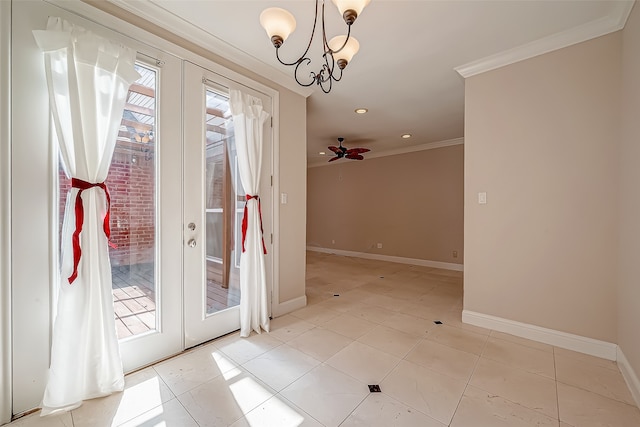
(405, 72)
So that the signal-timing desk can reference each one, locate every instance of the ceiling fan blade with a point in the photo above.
(334, 148)
(357, 150)
(334, 158)
(354, 156)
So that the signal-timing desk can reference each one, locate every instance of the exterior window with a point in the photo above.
(222, 188)
(132, 186)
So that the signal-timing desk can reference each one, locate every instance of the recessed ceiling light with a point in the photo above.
(361, 110)
(322, 153)
(406, 135)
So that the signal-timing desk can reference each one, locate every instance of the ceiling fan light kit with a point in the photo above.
(337, 52)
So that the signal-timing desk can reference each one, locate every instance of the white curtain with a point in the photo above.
(88, 78)
(249, 118)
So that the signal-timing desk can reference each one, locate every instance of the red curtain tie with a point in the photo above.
(244, 222)
(79, 209)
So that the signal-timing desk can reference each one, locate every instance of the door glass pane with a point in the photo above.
(131, 184)
(223, 286)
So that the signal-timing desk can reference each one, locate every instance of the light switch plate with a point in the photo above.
(482, 198)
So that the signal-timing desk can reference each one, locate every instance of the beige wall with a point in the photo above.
(541, 138)
(293, 182)
(411, 203)
(629, 227)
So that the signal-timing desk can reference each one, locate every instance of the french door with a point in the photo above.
(144, 179)
(174, 284)
(213, 206)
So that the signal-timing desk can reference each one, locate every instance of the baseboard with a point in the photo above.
(629, 375)
(288, 306)
(389, 258)
(603, 349)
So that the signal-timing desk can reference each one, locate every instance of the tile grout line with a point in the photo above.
(469, 379)
(555, 372)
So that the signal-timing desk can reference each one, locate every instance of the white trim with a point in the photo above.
(289, 306)
(630, 376)
(389, 258)
(6, 383)
(275, 202)
(395, 151)
(590, 30)
(187, 30)
(603, 349)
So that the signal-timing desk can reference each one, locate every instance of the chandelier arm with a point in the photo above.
(326, 73)
(325, 44)
(322, 78)
(295, 73)
(313, 32)
(296, 62)
(345, 40)
(337, 78)
(321, 84)
(329, 68)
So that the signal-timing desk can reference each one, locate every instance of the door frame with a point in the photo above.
(196, 81)
(5, 212)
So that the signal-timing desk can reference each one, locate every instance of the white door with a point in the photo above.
(146, 174)
(213, 206)
(145, 180)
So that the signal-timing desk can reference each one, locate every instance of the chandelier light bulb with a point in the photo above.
(345, 55)
(278, 23)
(350, 9)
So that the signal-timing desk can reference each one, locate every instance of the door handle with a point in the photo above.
(191, 243)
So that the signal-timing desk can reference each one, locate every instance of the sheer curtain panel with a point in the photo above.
(88, 78)
(249, 118)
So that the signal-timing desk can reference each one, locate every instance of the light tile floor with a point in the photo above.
(366, 323)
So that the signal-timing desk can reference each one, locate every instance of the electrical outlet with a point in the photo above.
(333, 242)
(455, 254)
(379, 245)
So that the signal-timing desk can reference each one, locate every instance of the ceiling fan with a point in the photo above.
(347, 153)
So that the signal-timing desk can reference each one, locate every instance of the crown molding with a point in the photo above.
(615, 21)
(403, 150)
(152, 12)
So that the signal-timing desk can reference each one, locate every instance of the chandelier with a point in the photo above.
(280, 23)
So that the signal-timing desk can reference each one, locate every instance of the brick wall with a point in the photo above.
(131, 186)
